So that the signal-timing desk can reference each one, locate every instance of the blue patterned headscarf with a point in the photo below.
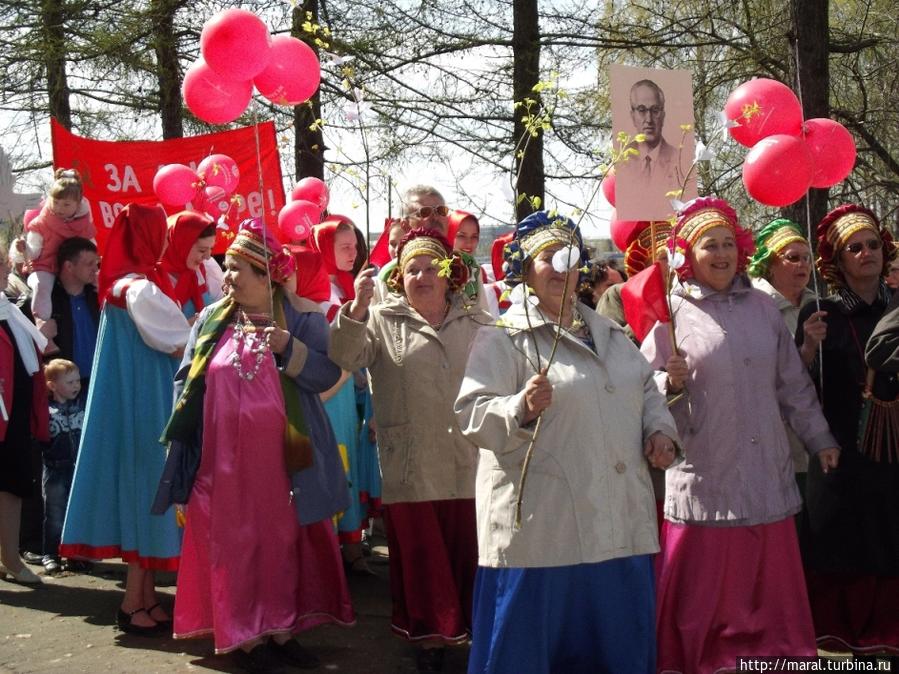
(534, 234)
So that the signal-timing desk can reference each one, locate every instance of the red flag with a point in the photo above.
(116, 173)
(644, 299)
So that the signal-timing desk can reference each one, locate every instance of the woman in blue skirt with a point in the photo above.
(143, 330)
(569, 588)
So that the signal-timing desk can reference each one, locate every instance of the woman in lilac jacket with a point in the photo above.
(730, 577)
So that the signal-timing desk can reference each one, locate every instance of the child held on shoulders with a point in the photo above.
(66, 419)
(66, 213)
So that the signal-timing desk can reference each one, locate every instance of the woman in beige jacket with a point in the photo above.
(570, 588)
(415, 345)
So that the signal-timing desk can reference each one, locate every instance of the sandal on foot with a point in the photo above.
(125, 623)
(167, 623)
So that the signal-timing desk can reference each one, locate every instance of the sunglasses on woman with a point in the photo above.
(428, 211)
(858, 247)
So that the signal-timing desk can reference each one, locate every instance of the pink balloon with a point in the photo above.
(608, 188)
(763, 107)
(30, 215)
(778, 170)
(175, 184)
(833, 151)
(292, 75)
(623, 232)
(211, 97)
(296, 219)
(236, 44)
(312, 189)
(212, 201)
(219, 170)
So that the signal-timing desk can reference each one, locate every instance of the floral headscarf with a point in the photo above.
(836, 228)
(430, 242)
(698, 217)
(773, 238)
(262, 250)
(535, 233)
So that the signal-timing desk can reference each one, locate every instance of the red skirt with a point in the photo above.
(857, 613)
(725, 592)
(433, 549)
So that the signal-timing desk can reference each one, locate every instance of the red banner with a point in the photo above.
(116, 173)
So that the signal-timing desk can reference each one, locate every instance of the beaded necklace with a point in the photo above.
(246, 338)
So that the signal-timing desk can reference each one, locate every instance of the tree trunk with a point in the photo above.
(309, 144)
(810, 41)
(52, 16)
(525, 74)
(165, 44)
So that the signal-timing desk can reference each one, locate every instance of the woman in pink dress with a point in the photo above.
(260, 560)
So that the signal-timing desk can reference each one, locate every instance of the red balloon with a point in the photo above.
(296, 219)
(763, 108)
(292, 75)
(312, 189)
(833, 151)
(608, 188)
(211, 97)
(778, 170)
(236, 44)
(175, 184)
(219, 170)
(624, 231)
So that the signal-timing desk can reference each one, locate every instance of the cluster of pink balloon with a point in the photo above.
(238, 52)
(787, 156)
(208, 189)
(308, 201)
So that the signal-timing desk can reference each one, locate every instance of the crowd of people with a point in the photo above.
(555, 491)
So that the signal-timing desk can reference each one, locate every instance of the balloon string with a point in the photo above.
(268, 266)
(808, 227)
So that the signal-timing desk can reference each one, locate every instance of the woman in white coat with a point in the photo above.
(570, 588)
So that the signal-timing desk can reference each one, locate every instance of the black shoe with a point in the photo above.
(78, 566)
(293, 654)
(260, 660)
(123, 620)
(32, 558)
(429, 659)
(52, 565)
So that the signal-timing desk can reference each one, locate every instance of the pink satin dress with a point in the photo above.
(248, 569)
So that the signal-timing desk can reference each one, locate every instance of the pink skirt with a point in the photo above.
(433, 559)
(248, 569)
(856, 613)
(725, 592)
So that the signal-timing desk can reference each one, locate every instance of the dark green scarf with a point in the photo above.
(188, 411)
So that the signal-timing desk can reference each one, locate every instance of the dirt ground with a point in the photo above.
(68, 625)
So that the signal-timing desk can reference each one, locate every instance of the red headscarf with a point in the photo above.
(380, 252)
(312, 278)
(496, 254)
(454, 221)
(133, 246)
(322, 241)
(184, 229)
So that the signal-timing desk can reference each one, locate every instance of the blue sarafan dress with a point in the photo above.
(121, 459)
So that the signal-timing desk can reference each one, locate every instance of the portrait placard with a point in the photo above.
(653, 110)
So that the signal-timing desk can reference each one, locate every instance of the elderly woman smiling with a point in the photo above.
(730, 577)
(571, 589)
(415, 344)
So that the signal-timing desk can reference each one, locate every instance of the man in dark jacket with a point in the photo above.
(76, 311)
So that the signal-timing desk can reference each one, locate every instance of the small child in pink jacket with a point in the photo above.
(65, 214)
